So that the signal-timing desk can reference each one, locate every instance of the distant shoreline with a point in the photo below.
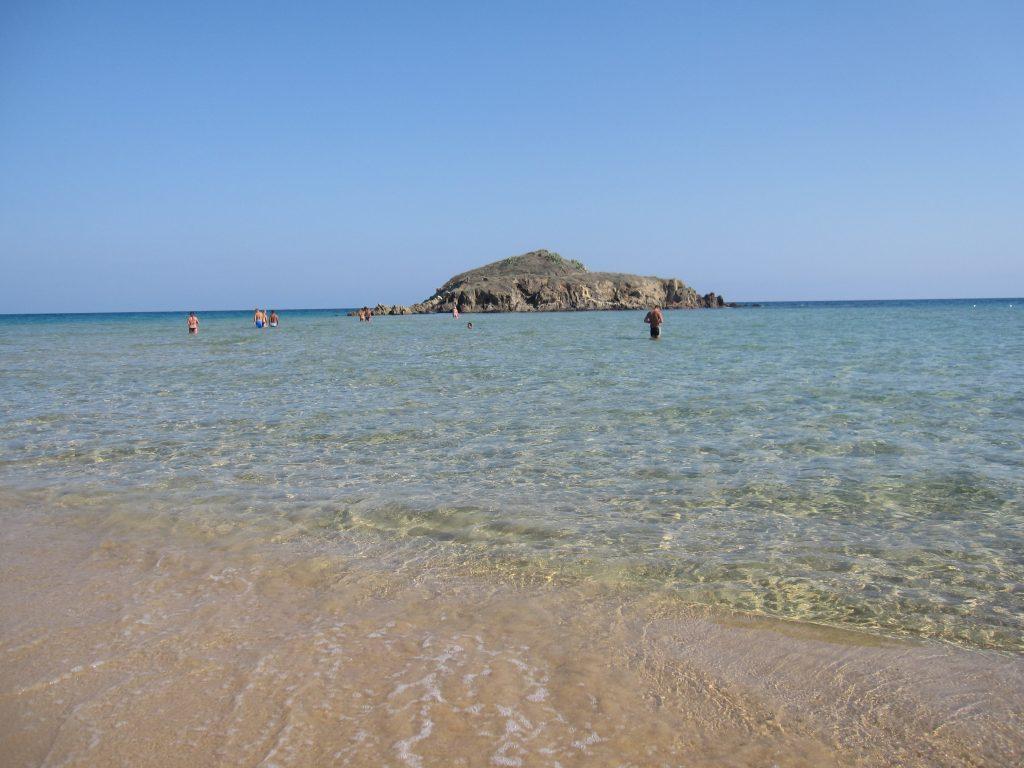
(795, 303)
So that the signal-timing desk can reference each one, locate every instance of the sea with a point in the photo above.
(785, 534)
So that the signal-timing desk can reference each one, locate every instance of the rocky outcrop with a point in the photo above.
(384, 309)
(391, 309)
(542, 281)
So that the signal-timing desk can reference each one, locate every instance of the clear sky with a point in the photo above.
(221, 155)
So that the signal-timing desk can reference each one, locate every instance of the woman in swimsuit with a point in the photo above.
(193, 323)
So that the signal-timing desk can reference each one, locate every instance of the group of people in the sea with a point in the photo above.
(262, 319)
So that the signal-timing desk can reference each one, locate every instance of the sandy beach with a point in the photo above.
(511, 385)
(155, 645)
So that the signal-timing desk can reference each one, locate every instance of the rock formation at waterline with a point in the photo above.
(542, 281)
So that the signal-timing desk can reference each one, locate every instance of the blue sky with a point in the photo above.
(223, 155)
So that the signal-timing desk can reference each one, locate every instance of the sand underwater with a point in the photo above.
(774, 538)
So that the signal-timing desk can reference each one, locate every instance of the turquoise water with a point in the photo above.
(854, 464)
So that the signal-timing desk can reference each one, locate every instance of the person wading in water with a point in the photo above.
(655, 319)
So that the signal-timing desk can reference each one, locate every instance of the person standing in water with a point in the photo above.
(455, 310)
(258, 318)
(274, 319)
(193, 324)
(655, 319)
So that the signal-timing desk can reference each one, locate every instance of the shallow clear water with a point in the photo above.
(859, 464)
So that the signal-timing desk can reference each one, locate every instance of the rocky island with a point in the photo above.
(543, 281)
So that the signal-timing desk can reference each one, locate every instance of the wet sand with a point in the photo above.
(144, 646)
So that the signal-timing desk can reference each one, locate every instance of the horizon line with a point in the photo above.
(340, 308)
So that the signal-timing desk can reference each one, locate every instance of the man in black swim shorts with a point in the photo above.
(655, 319)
